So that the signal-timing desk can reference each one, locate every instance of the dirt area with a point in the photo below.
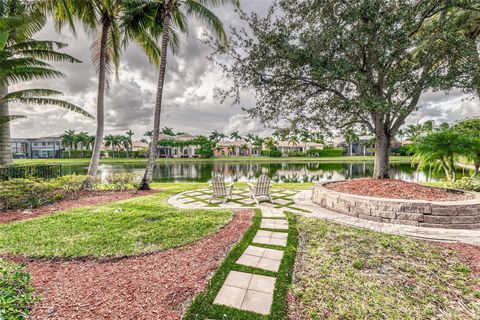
(152, 286)
(398, 189)
(85, 199)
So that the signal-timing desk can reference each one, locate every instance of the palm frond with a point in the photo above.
(28, 93)
(39, 101)
(49, 55)
(114, 46)
(28, 73)
(6, 119)
(202, 13)
(32, 44)
(149, 46)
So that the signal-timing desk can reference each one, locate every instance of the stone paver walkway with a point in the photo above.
(249, 291)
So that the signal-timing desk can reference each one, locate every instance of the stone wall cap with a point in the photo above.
(474, 200)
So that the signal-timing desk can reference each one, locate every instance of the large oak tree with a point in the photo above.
(323, 63)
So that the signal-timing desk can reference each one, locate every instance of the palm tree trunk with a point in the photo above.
(95, 160)
(147, 178)
(5, 144)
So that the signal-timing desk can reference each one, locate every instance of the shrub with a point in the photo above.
(331, 152)
(296, 154)
(123, 181)
(466, 183)
(33, 171)
(73, 184)
(314, 152)
(28, 193)
(16, 292)
(271, 153)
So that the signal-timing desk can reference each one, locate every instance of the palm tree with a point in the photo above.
(401, 134)
(114, 24)
(250, 137)
(232, 150)
(428, 126)
(235, 136)
(214, 136)
(413, 131)
(67, 140)
(90, 142)
(305, 137)
(129, 141)
(24, 59)
(350, 137)
(166, 14)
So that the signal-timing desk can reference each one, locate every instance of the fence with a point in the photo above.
(33, 171)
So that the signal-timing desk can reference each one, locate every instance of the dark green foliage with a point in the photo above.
(16, 292)
(33, 171)
(205, 145)
(79, 154)
(296, 154)
(28, 193)
(271, 153)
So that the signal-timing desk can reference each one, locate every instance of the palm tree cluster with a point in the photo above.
(118, 142)
(76, 141)
(414, 131)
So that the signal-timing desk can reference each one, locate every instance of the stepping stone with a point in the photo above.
(274, 224)
(262, 258)
(246, 291)
(271, 238)
(273, 215)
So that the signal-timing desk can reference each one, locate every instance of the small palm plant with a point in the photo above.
(440, 150)
(24, 59)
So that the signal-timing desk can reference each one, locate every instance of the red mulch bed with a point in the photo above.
(391, 188)
(85, 199)
(153, 286)
(469, 253)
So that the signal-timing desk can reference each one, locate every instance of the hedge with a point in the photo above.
(33, 171)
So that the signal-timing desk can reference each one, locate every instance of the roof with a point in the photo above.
(236, 143)
(290, 144)
(139, 144)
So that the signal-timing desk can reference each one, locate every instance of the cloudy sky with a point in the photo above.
(189, 103)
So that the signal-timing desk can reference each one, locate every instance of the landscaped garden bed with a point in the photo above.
(399, 202)
(397, 189)
(84, 199)
(350, 273)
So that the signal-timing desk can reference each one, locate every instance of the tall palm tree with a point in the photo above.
(23, 59)
(67, 140)
(114, 24)
(166, 15)
(214, 136)
(235, 136)
(350, 137)
(129, 140)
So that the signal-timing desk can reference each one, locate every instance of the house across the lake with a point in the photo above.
(287, 147)
(37, 148)
(235, 148)
(177, 146)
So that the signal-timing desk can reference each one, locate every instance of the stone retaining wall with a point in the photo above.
(464, 214)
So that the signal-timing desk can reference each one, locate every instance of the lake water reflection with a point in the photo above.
(202, 171)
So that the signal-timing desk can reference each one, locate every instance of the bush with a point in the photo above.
(331, 152)
(28, 193)
(33, 171)
(296, 154)
(271, 153)
(77, 154)
(123, 181)
(314, 152)
(73, 184)
(466, 183)
(16, 292)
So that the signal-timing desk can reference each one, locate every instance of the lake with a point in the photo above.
(280, 172)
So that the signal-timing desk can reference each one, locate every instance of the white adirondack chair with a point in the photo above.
(261, 190)
(220, 190)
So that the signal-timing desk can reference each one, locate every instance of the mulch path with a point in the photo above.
(153, 286)
(391, 188)
(85, 199)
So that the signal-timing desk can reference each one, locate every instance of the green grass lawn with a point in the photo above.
(224, 159)
(121, 228)
(350, 273)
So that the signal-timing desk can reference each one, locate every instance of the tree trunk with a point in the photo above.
(95, 160)
(147, 178)
(5, 143)
(382, 155)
